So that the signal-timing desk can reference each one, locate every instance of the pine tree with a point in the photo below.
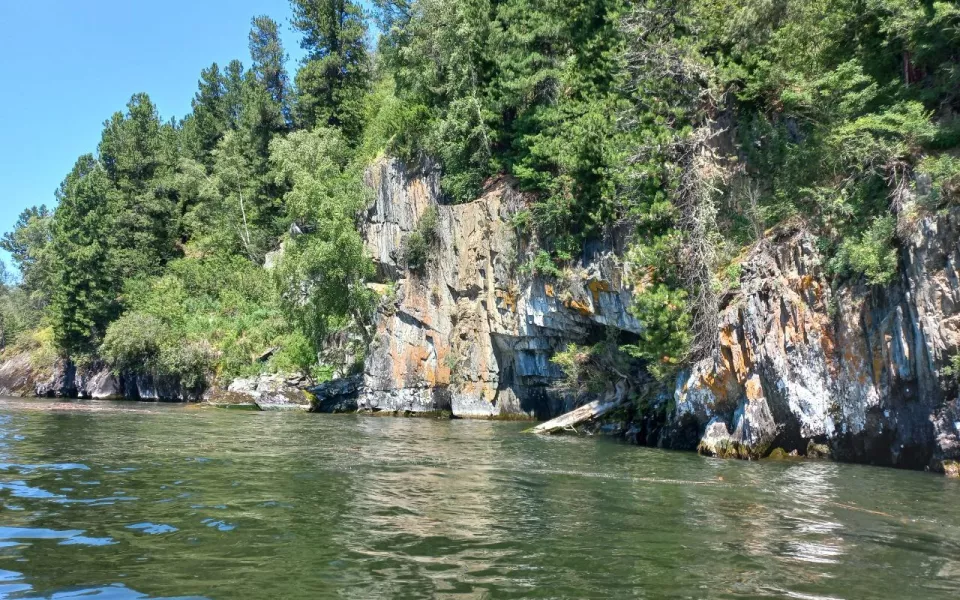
(84, 288)
(209, 120)
(335, 76)
(269, 57)
(141, 234)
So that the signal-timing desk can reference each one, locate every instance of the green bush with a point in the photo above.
(418, 244)
(205, 320)
(873, 254)
(542, 264)
(943, 172)
(665, 337)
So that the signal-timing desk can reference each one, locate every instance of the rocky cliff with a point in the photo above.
(805, 364)
(472, 332)
(852, 370)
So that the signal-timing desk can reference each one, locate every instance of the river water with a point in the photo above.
(122, 501)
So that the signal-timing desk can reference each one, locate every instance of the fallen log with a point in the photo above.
(587, 412)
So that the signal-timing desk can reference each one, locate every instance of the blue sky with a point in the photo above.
(68, 65)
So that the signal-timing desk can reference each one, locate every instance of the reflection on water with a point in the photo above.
(149, 501)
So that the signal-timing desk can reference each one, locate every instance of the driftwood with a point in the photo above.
(587, 412)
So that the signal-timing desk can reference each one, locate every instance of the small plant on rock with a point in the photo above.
(417, 245)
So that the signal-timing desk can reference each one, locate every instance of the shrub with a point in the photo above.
(542, 264)
(206, 318)
(416, 246)
(943, 173)
(134, 340)
(665, 337)
(873, 254)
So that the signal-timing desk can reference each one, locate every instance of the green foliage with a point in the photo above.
(665, 338)
(952, 370)
(204, 320)
(29, 246)
(323, 272)
(335, 76)
(594, 369)
(523, 85)
(268, 55)
(84, 287)
(107, 269)
(418, 244)
(542, 264)
(943, 172)
(872, 254)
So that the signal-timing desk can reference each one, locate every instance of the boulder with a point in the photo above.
(265, 392)
(337, 396)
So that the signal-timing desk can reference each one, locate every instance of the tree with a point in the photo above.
(244, 211)
(28, 246)
(269, 57)
(4, 292)
(209, 121)
(85, 289)
(323, 273)
(335, 75)
(141, 232)
(234, 89)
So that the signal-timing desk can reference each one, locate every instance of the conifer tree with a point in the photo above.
(269, 58)
(335, 75)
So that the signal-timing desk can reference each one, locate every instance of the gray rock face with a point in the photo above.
(472, 333)
(17, 377)
(856, 368)
(338, 396)
(20, 378)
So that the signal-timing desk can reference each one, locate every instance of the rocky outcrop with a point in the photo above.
(19, 377)
(265, 392)
(855, 370)
(337, 396)
(472, 332)
(807, 363)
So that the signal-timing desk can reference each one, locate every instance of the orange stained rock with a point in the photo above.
(581, 307)
(734, 357)
(508, 299)
(877, 368)
(442, 373)
(717, 382)
(828, 345)
(548, 290)
(809, 282)
(597, 286)
(754, 389)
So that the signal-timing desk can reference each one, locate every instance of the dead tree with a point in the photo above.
(695, 197)
(663, 68)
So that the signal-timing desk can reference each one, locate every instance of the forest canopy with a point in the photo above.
(695, 124)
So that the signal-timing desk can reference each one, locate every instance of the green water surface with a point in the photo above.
(122, 501)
